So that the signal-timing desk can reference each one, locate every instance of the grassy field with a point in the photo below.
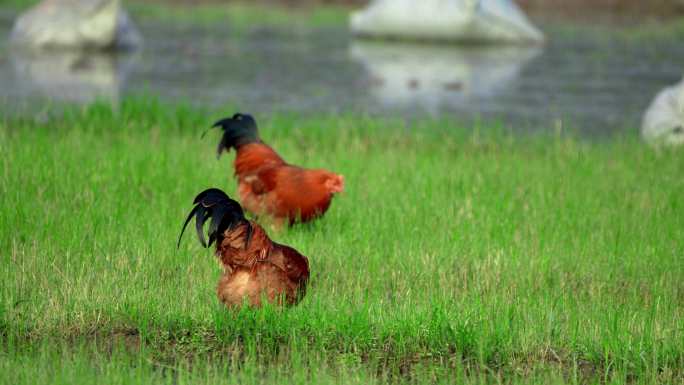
(240, 15)
(457, 253)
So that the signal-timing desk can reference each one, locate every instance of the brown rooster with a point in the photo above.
(269, 185)
(255, 268)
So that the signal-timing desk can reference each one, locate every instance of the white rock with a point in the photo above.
(663, 121)
(97, 24)
(452, 20)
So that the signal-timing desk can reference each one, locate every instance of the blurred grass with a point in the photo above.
(239, 15)
(649, 31)
(242, 15)
(457, 252)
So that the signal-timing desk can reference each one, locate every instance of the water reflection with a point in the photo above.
(596, 86)
(433, 77)
(664, 118)
(71, 76)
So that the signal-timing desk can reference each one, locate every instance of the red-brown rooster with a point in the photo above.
(255, 268)
(269, 185)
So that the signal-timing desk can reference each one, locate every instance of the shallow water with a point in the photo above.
(594, 84)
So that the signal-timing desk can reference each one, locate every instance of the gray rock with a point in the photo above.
(76, 24)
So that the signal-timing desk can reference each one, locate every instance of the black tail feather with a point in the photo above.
(187, 220)
(238, 130)
(225, 213)
(200, 218)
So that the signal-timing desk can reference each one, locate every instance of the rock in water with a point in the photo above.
(451, 20)
(96, 24)
(664, 119)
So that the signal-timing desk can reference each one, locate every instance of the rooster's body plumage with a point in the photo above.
(255, 267)
(269, 185)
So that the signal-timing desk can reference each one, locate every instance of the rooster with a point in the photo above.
(255, 268)
(269, 185)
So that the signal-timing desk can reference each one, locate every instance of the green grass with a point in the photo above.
(647, 31)
(239, 15)
(457, 252)
(243, 16)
